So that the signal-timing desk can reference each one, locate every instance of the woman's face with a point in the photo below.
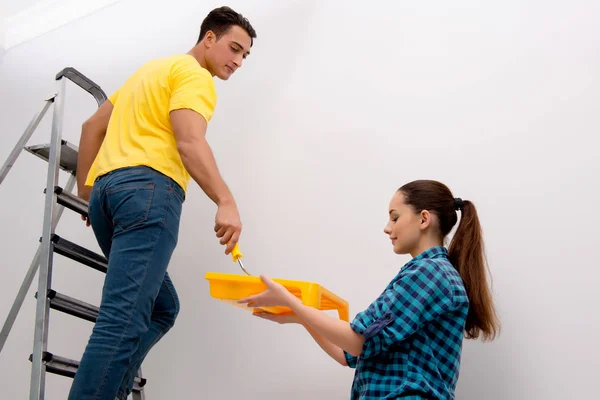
(404, 225)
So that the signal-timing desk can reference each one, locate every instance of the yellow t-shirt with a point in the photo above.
(139, 131)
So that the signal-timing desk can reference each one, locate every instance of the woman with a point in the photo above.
(407, 344)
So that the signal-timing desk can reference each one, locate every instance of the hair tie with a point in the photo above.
(458, 204)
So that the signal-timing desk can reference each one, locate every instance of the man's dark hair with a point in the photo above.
(221, 19)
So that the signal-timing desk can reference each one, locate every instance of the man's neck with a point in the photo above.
(198, 53)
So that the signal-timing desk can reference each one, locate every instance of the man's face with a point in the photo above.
(226, 55)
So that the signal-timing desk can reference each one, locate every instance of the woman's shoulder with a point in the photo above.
(438, 271)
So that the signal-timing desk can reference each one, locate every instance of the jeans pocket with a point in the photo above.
(129, 205)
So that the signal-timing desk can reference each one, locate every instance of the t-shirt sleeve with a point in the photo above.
(192, 88)
(113, 97)
(418, 297)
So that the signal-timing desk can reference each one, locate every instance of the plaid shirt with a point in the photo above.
(413, 333)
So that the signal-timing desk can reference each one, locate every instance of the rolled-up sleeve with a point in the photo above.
(350, 359)
(418, 297)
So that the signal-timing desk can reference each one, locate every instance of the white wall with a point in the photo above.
(339, 105)
(2, 36)
(29, 19)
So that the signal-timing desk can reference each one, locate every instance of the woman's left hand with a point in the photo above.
(287, 318)
(276, 295)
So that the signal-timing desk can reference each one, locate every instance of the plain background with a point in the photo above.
(338, 105)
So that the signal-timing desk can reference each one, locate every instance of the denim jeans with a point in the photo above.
(134, 213)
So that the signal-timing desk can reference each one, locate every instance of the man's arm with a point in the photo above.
(92, 135)
(189, 128)
(190, 133)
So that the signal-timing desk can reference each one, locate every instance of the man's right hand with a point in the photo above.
(228, 225)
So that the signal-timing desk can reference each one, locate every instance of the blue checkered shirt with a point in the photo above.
(413, 333)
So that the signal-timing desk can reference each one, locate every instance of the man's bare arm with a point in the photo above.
(189, 128)
(190, 132)
(92, 135)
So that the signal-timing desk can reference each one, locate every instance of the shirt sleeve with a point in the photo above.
(418, 297)
(350, 359)
(192, 88)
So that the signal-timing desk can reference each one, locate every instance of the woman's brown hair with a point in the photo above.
(466, 251)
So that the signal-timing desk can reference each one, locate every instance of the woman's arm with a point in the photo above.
(332, 350)
(336, 331)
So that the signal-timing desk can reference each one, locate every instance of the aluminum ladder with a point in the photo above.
(60, 155)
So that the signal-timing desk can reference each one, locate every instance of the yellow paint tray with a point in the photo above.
(232, 287)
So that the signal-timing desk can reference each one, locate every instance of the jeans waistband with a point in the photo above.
(144, 170)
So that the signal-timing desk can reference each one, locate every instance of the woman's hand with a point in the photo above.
(286, 318)
(276, 295)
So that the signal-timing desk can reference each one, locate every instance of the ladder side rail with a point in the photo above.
(40, 343)
(33, 268)
(14, 155)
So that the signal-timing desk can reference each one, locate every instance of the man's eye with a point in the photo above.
(234, 49)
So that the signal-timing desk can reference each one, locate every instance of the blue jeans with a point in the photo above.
(134, 213)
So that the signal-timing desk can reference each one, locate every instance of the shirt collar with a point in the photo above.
(432, 252)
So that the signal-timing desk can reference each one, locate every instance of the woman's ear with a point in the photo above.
(425, 219)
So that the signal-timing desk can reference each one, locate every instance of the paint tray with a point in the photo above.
(230, 288)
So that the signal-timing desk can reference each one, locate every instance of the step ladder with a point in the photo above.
(60, 155)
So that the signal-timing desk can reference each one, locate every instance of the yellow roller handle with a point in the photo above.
(236, 253)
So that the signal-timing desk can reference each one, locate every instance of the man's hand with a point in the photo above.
(84, 194)
(228, 225)
(86, 219)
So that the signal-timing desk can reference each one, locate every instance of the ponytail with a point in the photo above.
(466, 250)
(466, 253)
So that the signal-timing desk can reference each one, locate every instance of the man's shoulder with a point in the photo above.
(172, 65)
(184, 63)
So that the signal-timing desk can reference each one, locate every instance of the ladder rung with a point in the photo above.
(79, 254)
(68, 154)
(71, 306)
(66, 367)
(58, 365)
(71, 201)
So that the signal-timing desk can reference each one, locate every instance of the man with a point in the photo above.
(136, 156)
